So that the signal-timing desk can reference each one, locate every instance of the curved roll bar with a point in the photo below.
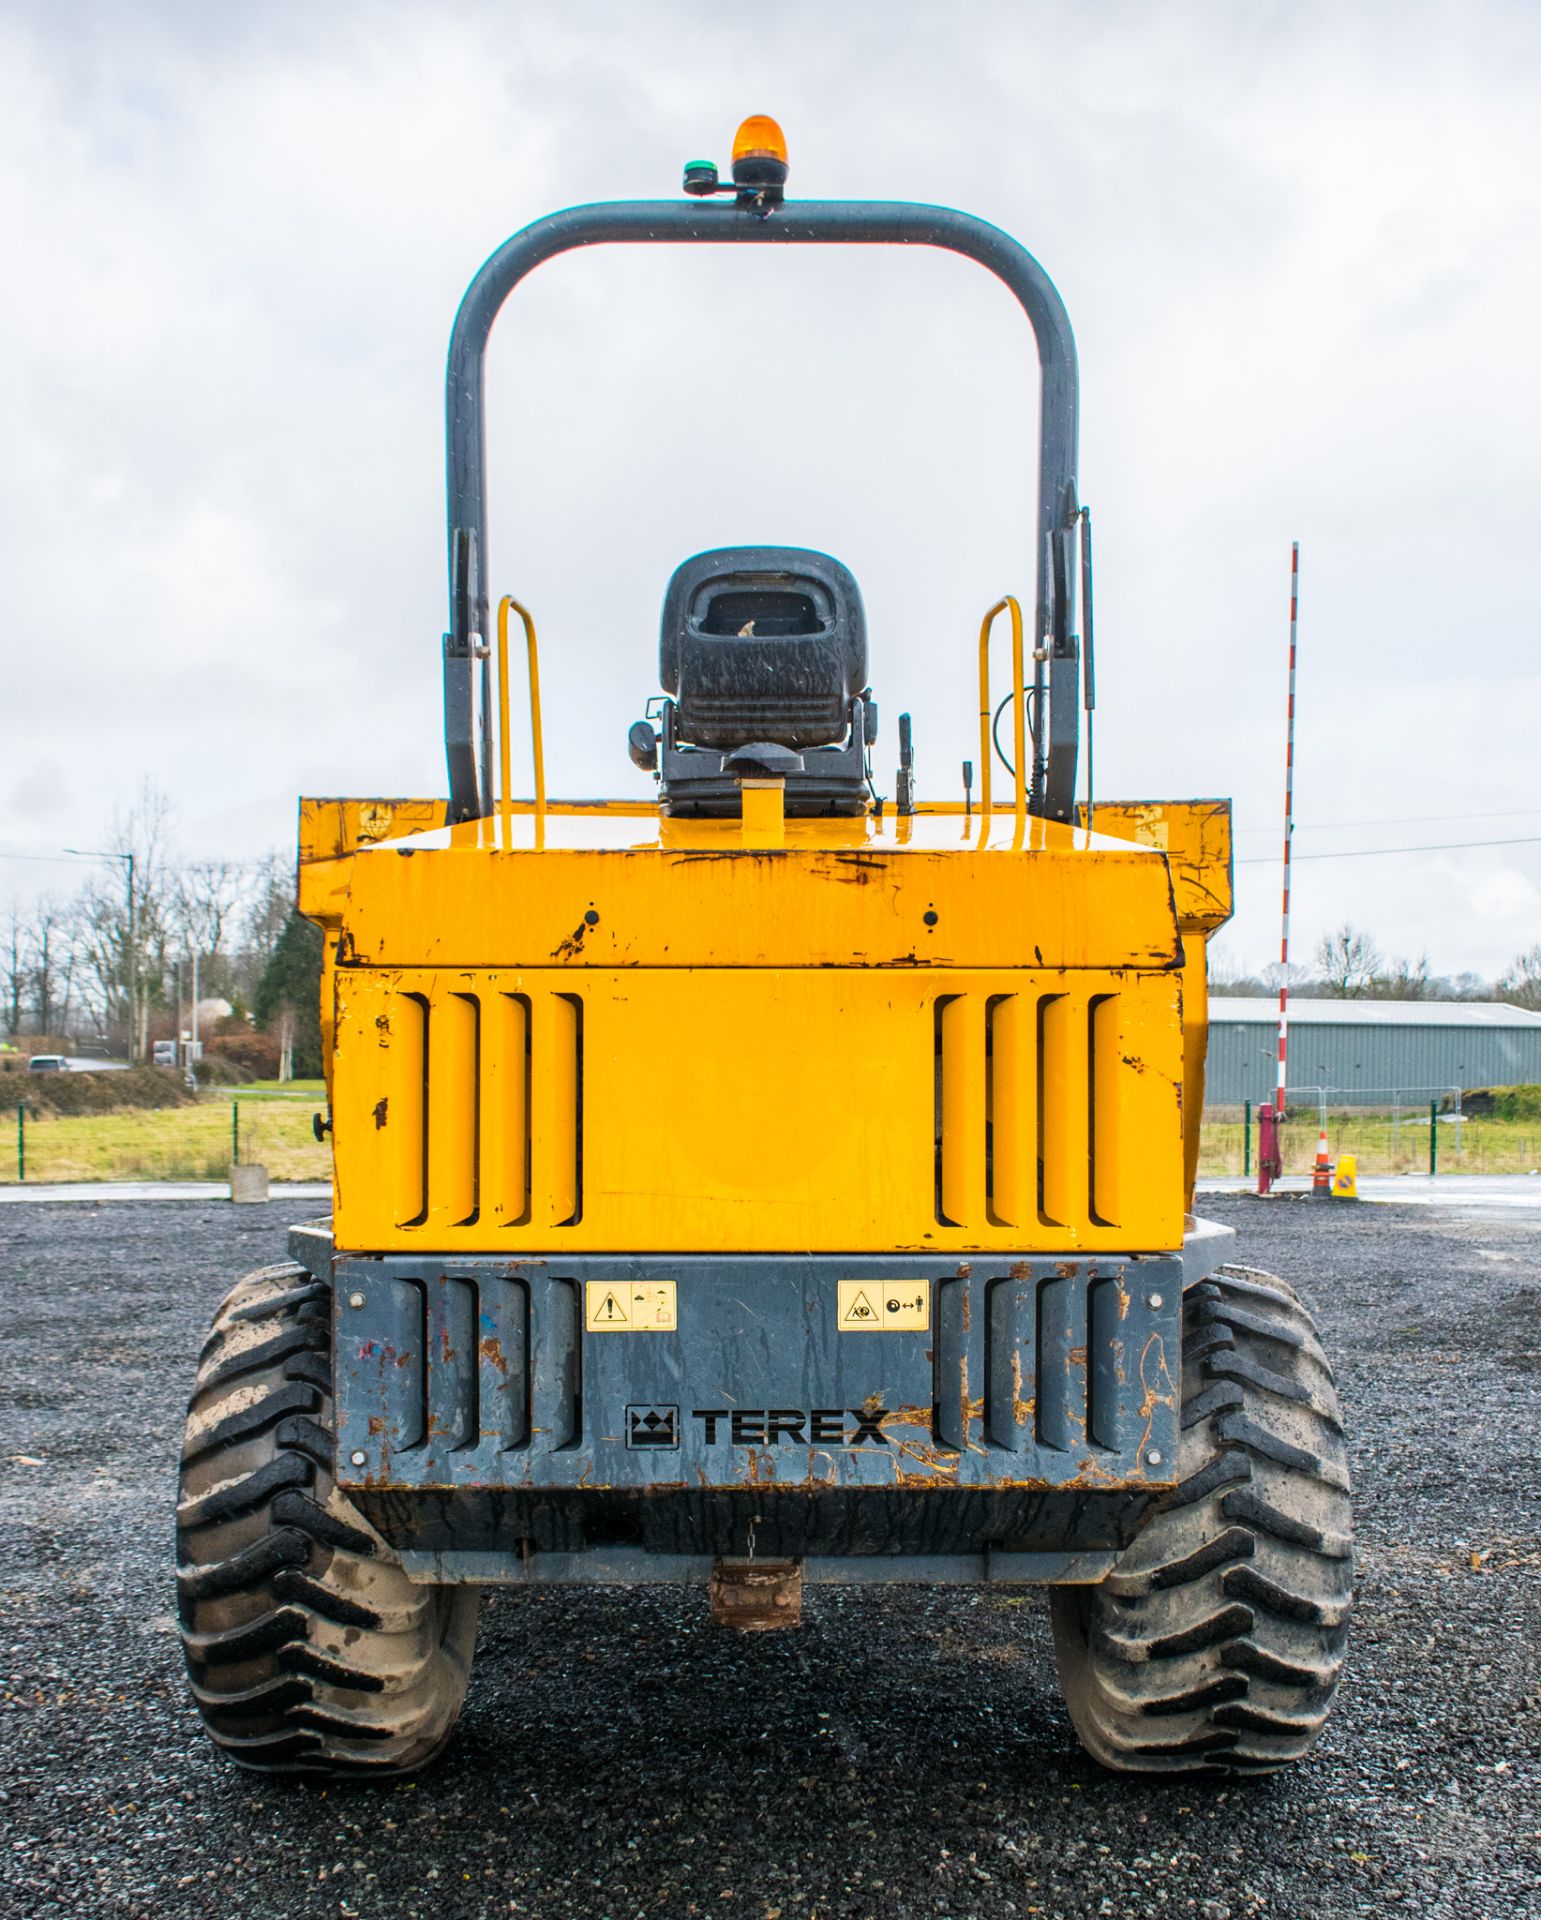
(807, 222)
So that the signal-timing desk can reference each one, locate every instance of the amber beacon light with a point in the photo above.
(759, 165)
(760, 151)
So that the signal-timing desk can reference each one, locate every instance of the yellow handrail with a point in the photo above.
(505, 777)
(1019, 721)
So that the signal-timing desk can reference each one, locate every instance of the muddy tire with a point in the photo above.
(1217, 1643)
(308, 1649)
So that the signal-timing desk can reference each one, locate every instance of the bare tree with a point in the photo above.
(101, 943)
(205, 896)
(1466, 986)
(125, 930)
(48, 951)
(268, 904)
(1272, 976)
(1521, 984)
(205, 899)
(1224, 972)
(14, 974)
(1347, 962)
(1404, 980)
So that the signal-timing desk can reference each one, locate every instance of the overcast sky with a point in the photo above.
(1299, 245)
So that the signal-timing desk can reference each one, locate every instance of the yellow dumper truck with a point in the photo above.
(770, 1183)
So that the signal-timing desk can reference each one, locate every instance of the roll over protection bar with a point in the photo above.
(807, 222)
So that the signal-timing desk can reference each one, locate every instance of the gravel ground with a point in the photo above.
(905, 1754)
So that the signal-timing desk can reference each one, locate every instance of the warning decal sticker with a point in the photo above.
(883, 1306)
(629, 1306)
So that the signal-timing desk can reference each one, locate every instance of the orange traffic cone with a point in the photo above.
(1321, 1174)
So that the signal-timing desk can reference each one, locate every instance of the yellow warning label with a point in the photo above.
(883, 1306)
(1151, 829)
(374, 820)
(629, 1306)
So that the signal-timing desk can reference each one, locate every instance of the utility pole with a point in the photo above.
(1289, 835)
(133, 969)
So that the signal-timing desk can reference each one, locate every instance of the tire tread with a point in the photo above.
(308, 1650)
(1217, 1643)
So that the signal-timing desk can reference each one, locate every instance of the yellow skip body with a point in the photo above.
(883, 1034)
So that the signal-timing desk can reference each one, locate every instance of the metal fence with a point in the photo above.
(1417, 1132)
(1413, 1130)
(196, 1142)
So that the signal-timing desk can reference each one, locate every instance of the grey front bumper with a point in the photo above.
(1036, 1411)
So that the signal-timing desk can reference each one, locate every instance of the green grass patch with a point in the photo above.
(178, 1143)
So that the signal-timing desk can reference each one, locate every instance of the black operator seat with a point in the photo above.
(762, 648)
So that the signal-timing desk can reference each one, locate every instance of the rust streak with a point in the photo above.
(1156, 1386)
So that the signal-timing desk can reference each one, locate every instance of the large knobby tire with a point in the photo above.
(1217, 1643)
(308, 1649)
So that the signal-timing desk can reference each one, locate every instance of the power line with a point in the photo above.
(1364, 853)
(1401, 820)
(169, 866)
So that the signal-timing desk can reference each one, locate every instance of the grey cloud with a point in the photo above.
(1295, 242)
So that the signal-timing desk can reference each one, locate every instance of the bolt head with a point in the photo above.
(358, 1457)
(1154, 1457)
(1155, 1301)
(355, 1299)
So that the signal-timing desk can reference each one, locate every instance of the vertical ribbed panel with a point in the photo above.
(1011, 1364)
(1105, 1040)
(453, 1413)
(556, 1380)
(1057, 1373)
(485, 1109)
(1031, 1109)
(503, 1361)
(555, 1091)
(503, 1187)
(958, 1365)
(1111, 1396)
(1018, 1110)
(1013, 1051)
(402, 1114)
(1061, 1408)
(1064, 1088)
(452, 1104)
(963, 1110)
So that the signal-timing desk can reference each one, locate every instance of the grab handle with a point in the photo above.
(506, 779)
(1006, 603)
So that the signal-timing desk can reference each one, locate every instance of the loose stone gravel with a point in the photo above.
(905, 1754)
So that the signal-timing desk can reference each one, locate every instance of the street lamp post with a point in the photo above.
(192, 1049)
(97, 853)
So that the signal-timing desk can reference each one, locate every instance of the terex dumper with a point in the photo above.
(767, 1184)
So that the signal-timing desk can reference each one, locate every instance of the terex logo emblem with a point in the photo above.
(768, 1426)
(653, 1426)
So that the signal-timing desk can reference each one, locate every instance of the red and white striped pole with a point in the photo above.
(1289, 833)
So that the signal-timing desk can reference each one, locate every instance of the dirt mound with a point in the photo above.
(1503, 1103)
(134, 1088)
